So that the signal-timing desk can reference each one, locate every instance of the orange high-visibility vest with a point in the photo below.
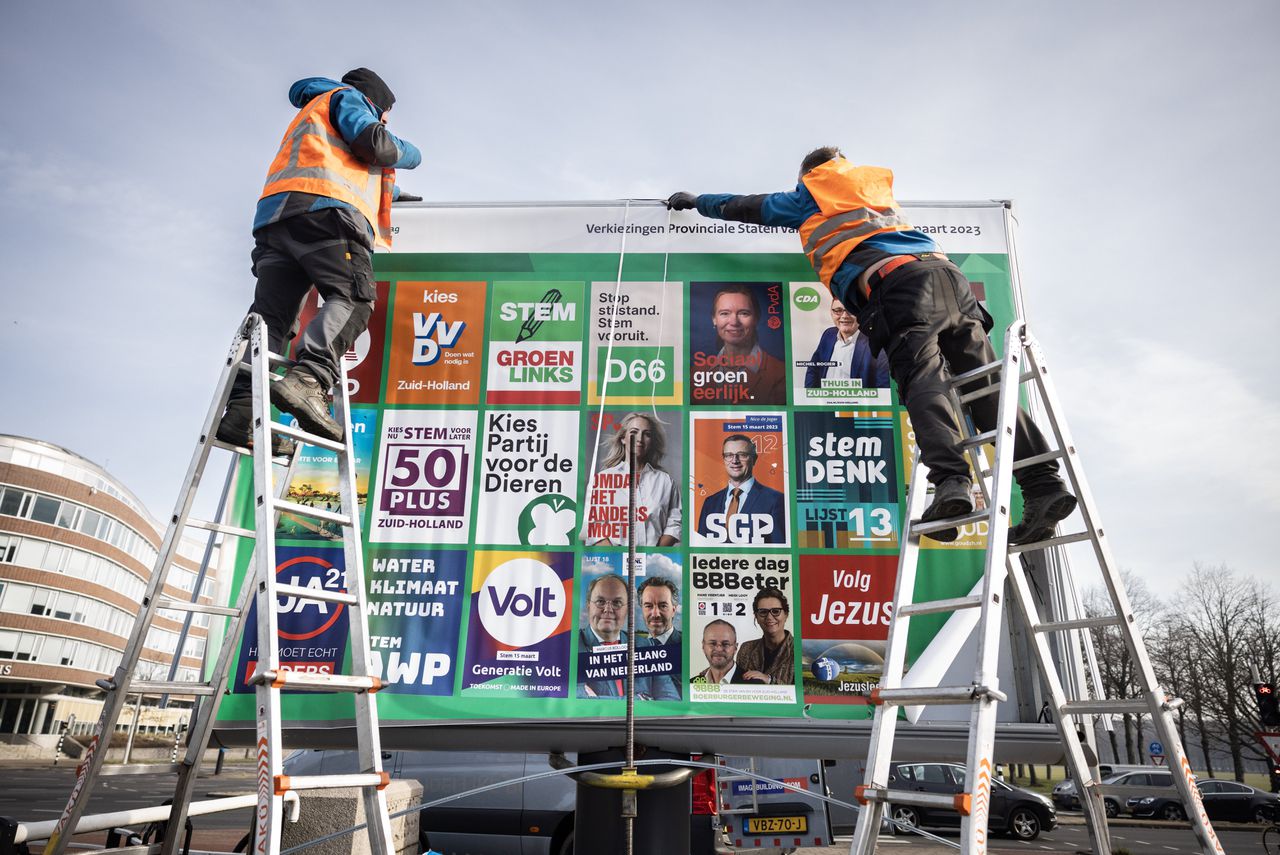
(854, 203)
(314, 158)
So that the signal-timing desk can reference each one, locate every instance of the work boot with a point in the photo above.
(235, 428)
(299, 394)
(1041, 515)
(951, 498)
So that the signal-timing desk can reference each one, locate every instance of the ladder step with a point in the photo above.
(984, 438)
(311, 682)
(952, 695)
(309, 438)
(140, 769)
(238, 449)
(910, 797)
(284, 783)
(315, 513)
(198, 608)
(934, 606)
(1057, 540)
(275, 361)
(317, 594)
(1079, 623)
(977, 373)
(1105, 707)
(170, 687)
(919, 527)
(234, 531)
(1038, 458)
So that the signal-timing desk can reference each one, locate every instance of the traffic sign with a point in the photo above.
(1271, 742)
(1158, 759)
(1156, 747)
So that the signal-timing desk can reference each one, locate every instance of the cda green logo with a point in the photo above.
(806, 299)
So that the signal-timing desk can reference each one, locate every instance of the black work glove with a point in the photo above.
(682, 201)
(408, 197)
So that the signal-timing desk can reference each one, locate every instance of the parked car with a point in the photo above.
(1065, 796)
(1018, 812)
(1124, 789)
(532, 817)
(1223, 800)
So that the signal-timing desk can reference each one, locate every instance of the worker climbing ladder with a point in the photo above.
(1023, 362)
(260, 588)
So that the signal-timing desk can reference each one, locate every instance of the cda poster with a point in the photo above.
(517, 359)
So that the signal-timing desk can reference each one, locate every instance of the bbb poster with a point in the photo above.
(512, 351)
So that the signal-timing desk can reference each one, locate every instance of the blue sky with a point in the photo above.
(1136, 139)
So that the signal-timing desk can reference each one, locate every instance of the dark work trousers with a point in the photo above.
(329, 249)
(934, 328)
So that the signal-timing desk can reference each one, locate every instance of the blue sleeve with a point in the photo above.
(362, 129)
(788, 210)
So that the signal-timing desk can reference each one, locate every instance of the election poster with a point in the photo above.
(415, 609)
(659, 495)
(637, 345)
(315, 481)
(437, 343)
(831, 360)
(520, 622)
(846, 602)
(736, 344)
(742, 629)
(602, 628)
(535, 350)
(528, 478)
(846, 479)
(422, 492)
(512, 353)
(739, 479)
(313, 633)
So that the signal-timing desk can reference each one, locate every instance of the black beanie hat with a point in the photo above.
(370, 86)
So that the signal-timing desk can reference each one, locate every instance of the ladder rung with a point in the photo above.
(935, 695)
(1038, 458)
(908, 797)
(1057, 540)
(170, 687)
(284, 783)
(275, 362)
(934, 606)
(220, 528)
(308, 681)
(139, 768)
(240, 449)
(315, 513)
(980, 439)
(919, 527)
(198, 608)
(1105, 707)
(1079, 623)
(977, 373)
(309, 438)
(317, 594)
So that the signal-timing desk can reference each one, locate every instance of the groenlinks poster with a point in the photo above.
(516, 357)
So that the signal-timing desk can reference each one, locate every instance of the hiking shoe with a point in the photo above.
(234, 429)
(299, 394)
(951, 498)
(1041, 515)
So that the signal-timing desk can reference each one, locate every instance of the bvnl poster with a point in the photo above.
(515, 356)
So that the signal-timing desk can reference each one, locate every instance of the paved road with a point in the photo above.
(35, 795)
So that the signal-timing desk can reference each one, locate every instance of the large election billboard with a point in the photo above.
(514, 350)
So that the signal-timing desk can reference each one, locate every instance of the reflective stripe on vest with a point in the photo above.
(313, 158)
(854, 203)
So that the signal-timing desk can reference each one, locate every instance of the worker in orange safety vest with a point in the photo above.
(325, 205)
(912, 303)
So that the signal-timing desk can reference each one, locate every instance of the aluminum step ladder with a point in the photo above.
(261, 588)
(1023, 362)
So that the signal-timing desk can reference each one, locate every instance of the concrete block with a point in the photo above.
(326, 811)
